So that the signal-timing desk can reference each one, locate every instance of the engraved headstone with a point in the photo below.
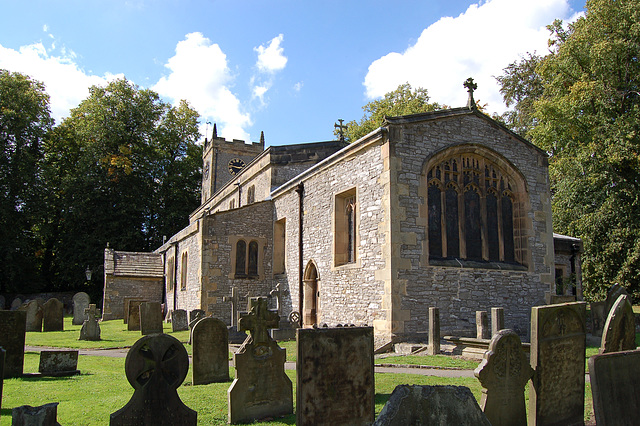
(615, 387)
(127, 304)
(261, 387)
(80, 303)
(620, 328)
(52, 316)
(44, 415)
(497, 320)
(12, 336)
(613, 293)
(482, 325)
(558, 341)
(431, 406)
(156, 365)
(503, 374)
(58, 362)
(150, 318)
(179, 320)
(90, 327)
(16, 303)
(34, 315)
(210, 340)
(335, 380)
(133, 320)
(434, 331)
(195, 315)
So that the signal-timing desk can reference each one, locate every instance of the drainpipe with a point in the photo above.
(175, 275)
(300, 191)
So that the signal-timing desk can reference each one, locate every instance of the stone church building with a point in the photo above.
(444, 209)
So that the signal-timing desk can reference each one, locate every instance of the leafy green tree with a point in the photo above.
(24, 123)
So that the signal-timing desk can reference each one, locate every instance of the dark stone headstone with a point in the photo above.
(615, 387)
(34, 311)
(261, 387)
(52, 317)
(150, 318)
(483, 328)
(156, 365)
(195, 315)
(179, 320)
(44, 415)
(127, 303)
(90, 327)
(16, 303)
(558, 342)
(133, 321)
(497, 320)
(620, 328)
(503, 374)
(434, 331)
(210, 341)
(431, 406)
(12, 335)
(80, 303)
(598, 318)
(335, 381)
(58, 363)
(614, 292)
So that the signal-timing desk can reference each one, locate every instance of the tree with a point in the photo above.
(404, 100)
(24, 124)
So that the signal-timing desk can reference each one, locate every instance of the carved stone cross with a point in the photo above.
(276, 292)
(341, 128)
(259, 320)
(234, 305)
(471, 86)
(91, 313)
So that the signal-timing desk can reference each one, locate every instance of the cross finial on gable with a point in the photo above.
(471, 86)
(341, 128)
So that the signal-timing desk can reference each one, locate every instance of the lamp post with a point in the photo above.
(88, 273)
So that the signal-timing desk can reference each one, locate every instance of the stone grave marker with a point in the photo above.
(133, 322)
(58, 362)
(434, 331)
(482, 325)
(558, 341)
(431, 406)
(335, 381)
(16, 303)
(620, 328)
(90, 327)
(210, 340)
(156, 365)
(53, 314)
(2, 355)
(497, 320)
(12, 336)
(127, 304)
(615, 387)
(195, 315)
(44, 415)
(150, 318)
(597, 317)
(503, 374)
(261, 387)
(179, 320)
(80, 303)
(612, 295)
(34, 315)
(234, 299)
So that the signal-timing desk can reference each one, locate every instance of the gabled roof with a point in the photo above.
(136, 264)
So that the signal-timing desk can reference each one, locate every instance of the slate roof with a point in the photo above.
(134, 264)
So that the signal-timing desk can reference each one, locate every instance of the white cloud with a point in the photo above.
(271, 58)
(298, 86)
(199, 73)
(479, 43)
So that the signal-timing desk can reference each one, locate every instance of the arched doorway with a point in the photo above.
(310, 303)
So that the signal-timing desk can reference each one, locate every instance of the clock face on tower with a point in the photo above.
(235, 165)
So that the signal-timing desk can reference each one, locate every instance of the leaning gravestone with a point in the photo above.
(52, 317)
(210, 340)
(156, 365)
(80, 303)
(12, 335)
(90, 328)
(615, 387)
(261, 387)
(431, 406)
(328, 357)
(44, 415)
(503, 374)
(179, 320)
(133, 320)
(150, 318)
(620, 328)
(558, 341)
(614, 292)
(34, 315)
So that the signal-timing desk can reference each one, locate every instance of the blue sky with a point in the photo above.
(288, 68)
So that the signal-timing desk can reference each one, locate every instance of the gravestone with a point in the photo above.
(44, 415)
(558, 342)
(58, 362)
(615, 387)
(52, 315)
(598, 317)
(150, 318)
(12, 336)
(234, 299)
(503, 374)
(482, 325)
(156, 365)
(434, 331)
(497, 320)
(612, 295)
(195, 315)
(335, 380)
(210, 340)
(127, 303)
(261, 387)
(431, 406)
(133, 320)
(34, 315)
(620, 328)
(90, 327)
(80, 303)
(2, 355)
(16, 303)
(179, 320)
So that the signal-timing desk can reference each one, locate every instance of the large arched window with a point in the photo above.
(473, 205)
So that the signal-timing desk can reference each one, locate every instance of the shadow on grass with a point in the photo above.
(382, 398)
(47, 378)
(6, 412)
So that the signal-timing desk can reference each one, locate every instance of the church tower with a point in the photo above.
(222, 160)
